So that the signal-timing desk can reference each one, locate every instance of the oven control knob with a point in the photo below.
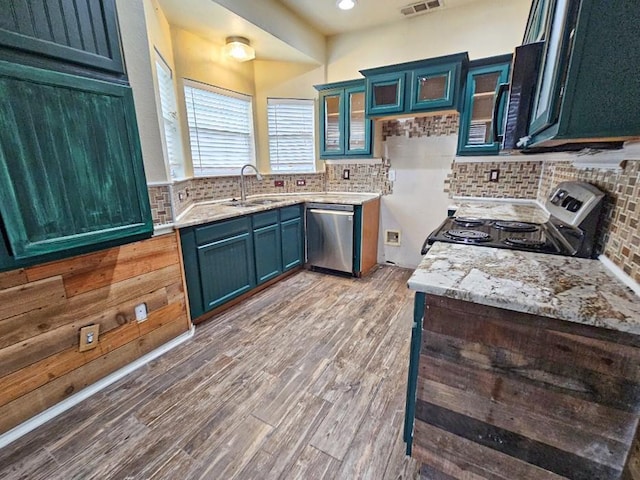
(574, 205)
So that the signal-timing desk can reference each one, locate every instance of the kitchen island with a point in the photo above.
(523, 366)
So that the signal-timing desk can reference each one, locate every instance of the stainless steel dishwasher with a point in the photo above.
(330, 236)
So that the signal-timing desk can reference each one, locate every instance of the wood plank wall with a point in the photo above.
(505, 395)
(42, 309)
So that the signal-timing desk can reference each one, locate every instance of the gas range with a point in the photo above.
(574, 209)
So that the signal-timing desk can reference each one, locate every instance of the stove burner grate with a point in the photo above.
(468, 235)
(468, 221)
(516, 226)
(524, 242)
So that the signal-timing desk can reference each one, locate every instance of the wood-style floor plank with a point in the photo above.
(305, 380)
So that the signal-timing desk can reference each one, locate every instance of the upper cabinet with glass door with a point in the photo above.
(425, 85)
(345, 131)
(478, 134)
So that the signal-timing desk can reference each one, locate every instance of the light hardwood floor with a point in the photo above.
(305, 380)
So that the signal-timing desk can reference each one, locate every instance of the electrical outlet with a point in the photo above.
(392, 237)
(89, 337)
(278, 183)
(346, 174)
(392, 175)
(141, 312)
(494, 175)
(180, 196)
(301, 182)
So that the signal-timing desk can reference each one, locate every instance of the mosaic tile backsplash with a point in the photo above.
(516, 179)
(362, 178)
(429, 126)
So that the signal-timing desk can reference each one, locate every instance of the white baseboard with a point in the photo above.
(43, 417)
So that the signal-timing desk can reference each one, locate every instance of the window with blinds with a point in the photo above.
(220, 129)
(291, 135)
(172, 142)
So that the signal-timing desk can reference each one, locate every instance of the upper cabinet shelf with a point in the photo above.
(421, 86)
(345, 131)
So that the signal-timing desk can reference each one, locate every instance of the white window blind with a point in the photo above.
(220, 129)
(291, 135)
(173, 145)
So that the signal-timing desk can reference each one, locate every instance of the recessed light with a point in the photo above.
(346, 4)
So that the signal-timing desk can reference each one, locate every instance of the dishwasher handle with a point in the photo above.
(330, 212)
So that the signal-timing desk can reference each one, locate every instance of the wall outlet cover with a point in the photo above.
(301, 182)
(494, 175)
(141, 312)
(89, 337)
(346, 174)
(392, 175)
(278, 183)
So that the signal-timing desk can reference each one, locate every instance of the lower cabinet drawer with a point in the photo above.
(287, 213)
(223, 229)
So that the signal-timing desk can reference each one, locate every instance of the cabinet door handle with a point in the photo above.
(502, 89)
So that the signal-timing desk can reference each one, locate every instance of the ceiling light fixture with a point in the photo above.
(239, 48)
(346, 4)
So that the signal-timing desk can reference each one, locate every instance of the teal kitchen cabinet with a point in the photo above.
(71, 171)
(586, 82)
(267, 245)
(425, 85)
(477, 136)
(344, 129)
(218, 262)
(385, 93)
(226, 259)
(292, 235)
(75, 36)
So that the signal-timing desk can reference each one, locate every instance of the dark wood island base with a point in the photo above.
(514, 396)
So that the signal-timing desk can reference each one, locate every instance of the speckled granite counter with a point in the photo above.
(219, 210)
(567, 288)
(502, 210)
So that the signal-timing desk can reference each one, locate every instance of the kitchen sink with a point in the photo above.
(249, 203)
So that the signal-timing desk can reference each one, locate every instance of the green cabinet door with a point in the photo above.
(292, 233)
(434, 87)
(226, 269)
(345, 131)
(71, 171)
(385, 93)
(476, 135)
(80, 34)
(268, 252)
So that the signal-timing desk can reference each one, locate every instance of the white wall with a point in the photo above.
(135, 44)
(418, 203)
(484, 29)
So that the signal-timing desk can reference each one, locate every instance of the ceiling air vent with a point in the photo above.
(421, 7)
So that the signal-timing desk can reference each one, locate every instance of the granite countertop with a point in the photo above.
(212, 211)
(574, 289)
(530, 212)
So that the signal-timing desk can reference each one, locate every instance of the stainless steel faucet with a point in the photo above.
(243, 191)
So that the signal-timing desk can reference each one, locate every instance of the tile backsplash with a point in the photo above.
(516, 179)
(363, 177)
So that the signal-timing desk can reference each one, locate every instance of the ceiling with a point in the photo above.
(210, 20)
(325, 17)
(213, 22)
